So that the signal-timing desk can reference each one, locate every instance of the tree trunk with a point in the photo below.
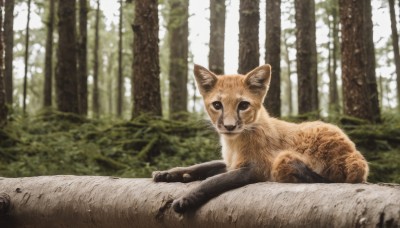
(120, 82)
(354, 60)
(217, 37)
(48, 68)
(178, 30)
(26, 58)
(273, 56)
(9, 44)
(3, 107)
(82, 58)
(146, 63)
(306, 56)
(85, 201)
(66, 74)
(95, 99)
(289, 73)
(334, 106)
(249, 55)
(395, 42)
(370, 64)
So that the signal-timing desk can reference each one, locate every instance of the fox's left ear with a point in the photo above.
(258, 79)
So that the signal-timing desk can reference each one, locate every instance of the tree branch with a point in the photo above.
(93, 201)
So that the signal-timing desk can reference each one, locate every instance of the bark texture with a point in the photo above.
(146, 63)
(395, 42)
(216, 62)
(334, 106)
(120, 85)
(3, 107)
(306, 56)
(178, 30)
(26, 58)
(48, 66)
(249, 55)
(95, 98)
(82, 58)
(356, 64)
(66, 73)
(273, 56)
(9, 44)
(84, 201)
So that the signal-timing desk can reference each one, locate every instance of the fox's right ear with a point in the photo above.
(205, 79)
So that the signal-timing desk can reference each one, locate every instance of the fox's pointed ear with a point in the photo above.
(258, 79)
(205, 79)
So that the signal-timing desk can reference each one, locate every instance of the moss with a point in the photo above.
(56, 143)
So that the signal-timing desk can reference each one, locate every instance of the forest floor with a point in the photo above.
(52, 143)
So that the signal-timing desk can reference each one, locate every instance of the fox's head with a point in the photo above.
(233, 102)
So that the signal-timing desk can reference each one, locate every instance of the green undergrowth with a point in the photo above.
(53, 143)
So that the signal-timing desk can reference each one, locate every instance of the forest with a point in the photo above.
(100, 87)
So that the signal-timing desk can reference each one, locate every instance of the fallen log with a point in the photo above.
(94, 201)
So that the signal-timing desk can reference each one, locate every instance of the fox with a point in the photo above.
(259, 148)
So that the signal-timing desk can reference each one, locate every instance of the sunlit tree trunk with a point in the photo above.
(95, 99)
(395, 42)
(120, 85)
(289, 73)
(26, 57)
(9, 44)
(217, 36)
(178, 31)
(82, 58)
(66, 73)
(306, 56)
(273, 56)
(48, 65)
(249, 55)
(3, 107)
(146, 63)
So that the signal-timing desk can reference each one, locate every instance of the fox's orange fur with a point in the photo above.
(257, 147)
(270, 143)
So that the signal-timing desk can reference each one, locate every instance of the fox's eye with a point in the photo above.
(217, 105)
(243, 105)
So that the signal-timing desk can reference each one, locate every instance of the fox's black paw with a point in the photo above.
(181, 205)
(168, 176)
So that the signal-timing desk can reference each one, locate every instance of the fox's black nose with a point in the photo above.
(230, 127)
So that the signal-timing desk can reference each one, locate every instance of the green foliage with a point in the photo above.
(53, 143)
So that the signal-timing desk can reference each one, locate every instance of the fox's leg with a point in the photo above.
(214, 186)
(191, 173)
(290, 167)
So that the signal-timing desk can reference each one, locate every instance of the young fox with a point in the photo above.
(257, 147)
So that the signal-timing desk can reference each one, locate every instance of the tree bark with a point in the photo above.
(95, 99)
(334, 106)
(355, 61)
(371, 64)
(9, 44)
(82, 58)
(146, 63)
(66, 73)
(289, 73)
(249, 18)
(216, 62)
(396, 53)
(26, 57)
(273, 56)
(48, 69)
(120, 85)
(85, 201)
(306, 56)
(3, 107)
(178, 31)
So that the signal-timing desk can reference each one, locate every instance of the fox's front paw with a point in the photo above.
(171, 176)
(189, 202)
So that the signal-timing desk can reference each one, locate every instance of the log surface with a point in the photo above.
(95, 201)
